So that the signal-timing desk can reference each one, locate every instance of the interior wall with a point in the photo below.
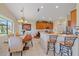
(33, 26)
(76, 43)
(77, 24)
(4, 11)
(60, 25)
(77, 15)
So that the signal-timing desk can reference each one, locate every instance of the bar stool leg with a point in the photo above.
(47, 48)
(71, 51)
(68, 52)
(60, 50)
(54, 49)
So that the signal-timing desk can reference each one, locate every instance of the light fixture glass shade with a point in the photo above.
(25, 21)
(22, 20)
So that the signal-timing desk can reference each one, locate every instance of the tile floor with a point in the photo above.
(36, 50)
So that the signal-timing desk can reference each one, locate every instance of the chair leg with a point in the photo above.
(10, 53)
(32, 43)
(25, 44)
(21, 53)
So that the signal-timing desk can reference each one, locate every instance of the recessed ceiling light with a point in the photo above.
(57, 6)
(42, 6)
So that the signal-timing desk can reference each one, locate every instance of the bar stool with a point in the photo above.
(66, 46)
(51, 43)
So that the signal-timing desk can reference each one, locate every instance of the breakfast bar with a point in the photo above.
(45, 38)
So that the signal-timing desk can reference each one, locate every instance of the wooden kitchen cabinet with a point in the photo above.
(73, 18)
(44, 25)
(69, 23)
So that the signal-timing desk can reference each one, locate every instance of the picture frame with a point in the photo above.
(26, 27)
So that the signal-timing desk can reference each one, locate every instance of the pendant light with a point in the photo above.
(22, 19)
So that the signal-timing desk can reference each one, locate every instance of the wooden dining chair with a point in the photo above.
(15, 45)
(27, 38)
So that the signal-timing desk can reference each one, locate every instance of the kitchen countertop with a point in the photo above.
(63, 35)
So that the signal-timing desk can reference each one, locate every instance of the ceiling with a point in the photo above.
(49, 11)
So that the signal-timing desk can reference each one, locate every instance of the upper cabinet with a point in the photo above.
(73, 18)
(44, 25)
(69, 23)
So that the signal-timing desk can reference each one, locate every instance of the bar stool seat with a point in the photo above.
(52, 41)
(66, 43)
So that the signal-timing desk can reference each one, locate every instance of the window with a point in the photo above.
(5, 26)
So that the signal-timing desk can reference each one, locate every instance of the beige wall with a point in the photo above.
(77, 15)
(61, 23)
(77, 25)
(4, 11)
